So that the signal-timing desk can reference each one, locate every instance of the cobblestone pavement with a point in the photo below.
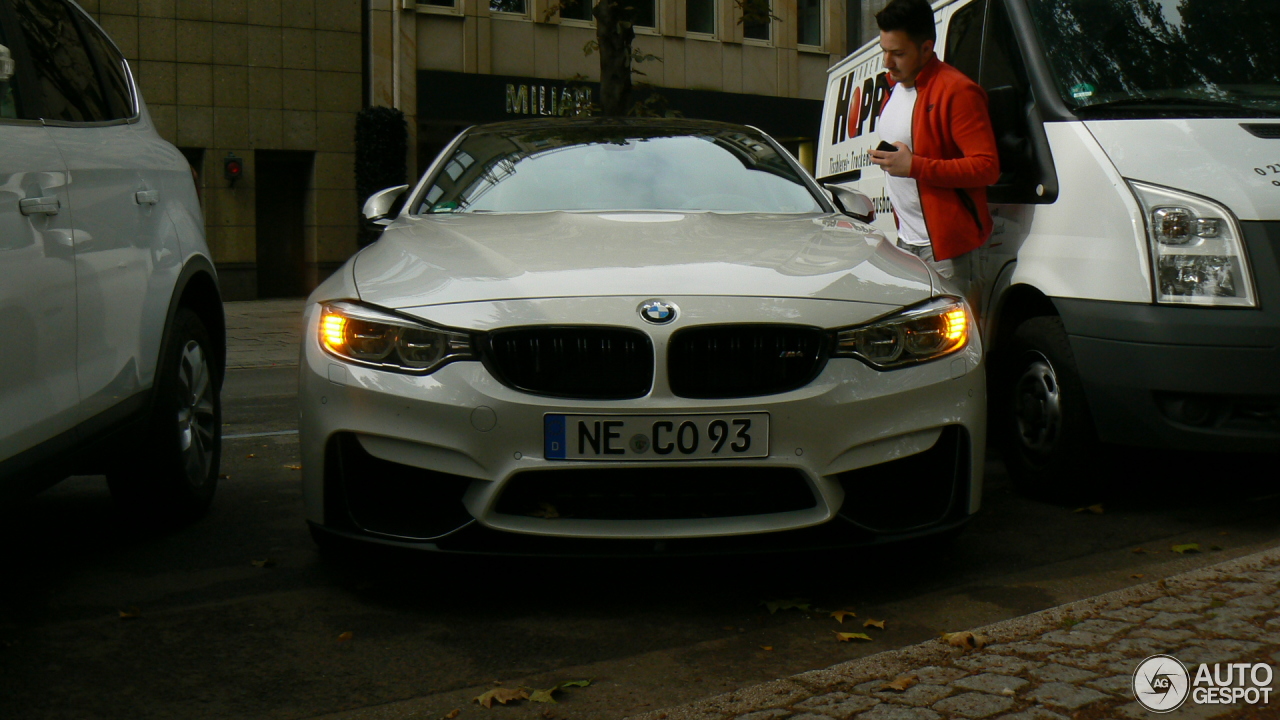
(1074, 662)
(263, 333)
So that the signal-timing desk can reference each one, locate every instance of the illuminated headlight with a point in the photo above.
(1196, 248)
(918, 334)
(381, 339)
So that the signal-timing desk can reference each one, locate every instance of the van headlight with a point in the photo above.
(917, 334)
(384, 340)
(1197, 254)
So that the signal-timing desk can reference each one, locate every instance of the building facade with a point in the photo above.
(276, 85)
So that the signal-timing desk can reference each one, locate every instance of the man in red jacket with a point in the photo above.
(937, 118)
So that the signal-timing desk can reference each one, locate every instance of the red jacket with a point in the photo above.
(954, 158)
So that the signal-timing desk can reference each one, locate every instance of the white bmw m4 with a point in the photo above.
(626, 336)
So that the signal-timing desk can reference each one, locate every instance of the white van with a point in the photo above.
(1131, 285)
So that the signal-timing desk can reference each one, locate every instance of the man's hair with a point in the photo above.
(914, 17)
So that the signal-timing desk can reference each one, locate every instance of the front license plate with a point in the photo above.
(656, 437)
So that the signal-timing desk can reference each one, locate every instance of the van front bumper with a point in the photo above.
(1191, 378)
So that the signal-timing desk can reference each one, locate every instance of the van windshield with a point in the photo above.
(1163, 58)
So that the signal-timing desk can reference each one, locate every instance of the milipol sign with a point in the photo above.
(1162, 684)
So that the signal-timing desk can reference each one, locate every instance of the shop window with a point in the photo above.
(757, 19)
(809, 22)
(508, 6)
(700, 16)
(646, 13)
(576, 10)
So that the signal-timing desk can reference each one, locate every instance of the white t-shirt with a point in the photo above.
(894, 126)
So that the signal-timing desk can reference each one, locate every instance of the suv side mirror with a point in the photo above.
(378, 208)
(6, 64)
(852, 203)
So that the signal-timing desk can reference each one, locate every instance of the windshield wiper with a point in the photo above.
(1137, 102)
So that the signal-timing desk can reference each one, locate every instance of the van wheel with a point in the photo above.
(173, 473)
(1047, 437)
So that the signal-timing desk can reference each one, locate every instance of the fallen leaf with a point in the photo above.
(1007, 691)
(840, 615)
(846, 637)
(130, 614)
(874, 623)
(1095, 509)
(548, 713)
(964, 639)
(543, 696)
(545, 510)
(767, 647)
(792, 604)
(1186, 549)
(264, 563)
(901, 683)
(1137, 576)
(575, 683)
(453, 714)
(250, 455)
(344, 637)
(502, 696)
(294, 467)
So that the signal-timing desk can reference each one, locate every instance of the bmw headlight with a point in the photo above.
(917, 334)
(1196, 248)
(377, 338)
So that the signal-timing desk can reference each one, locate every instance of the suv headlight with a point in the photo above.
(917, 334)
(1197, 255)
(384, 340)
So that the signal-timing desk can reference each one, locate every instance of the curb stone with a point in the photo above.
(1087, 665)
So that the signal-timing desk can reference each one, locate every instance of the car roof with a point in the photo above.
(546, 123)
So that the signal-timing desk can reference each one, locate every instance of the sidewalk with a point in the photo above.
(1074, 662)
(263, 333)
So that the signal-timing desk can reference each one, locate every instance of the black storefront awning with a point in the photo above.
(468, 98)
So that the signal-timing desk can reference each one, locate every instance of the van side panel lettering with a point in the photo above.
(882, 99)
(868, 94)
(841, 122)
(855, 111)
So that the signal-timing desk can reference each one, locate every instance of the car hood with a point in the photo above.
(1213, 157)
(440, 259)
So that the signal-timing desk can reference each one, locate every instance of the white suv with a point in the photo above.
(112, 342)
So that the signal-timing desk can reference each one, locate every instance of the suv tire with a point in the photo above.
(174, 472)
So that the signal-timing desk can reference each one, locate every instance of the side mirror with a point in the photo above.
(6, 64)
(852, 203)
(378, 208)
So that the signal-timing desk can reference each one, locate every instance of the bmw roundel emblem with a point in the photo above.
(657, 311)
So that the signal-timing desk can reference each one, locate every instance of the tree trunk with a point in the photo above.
(614, 33)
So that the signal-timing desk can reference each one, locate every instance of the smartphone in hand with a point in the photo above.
(887, 147)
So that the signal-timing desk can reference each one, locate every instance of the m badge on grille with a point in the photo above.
(657, 311)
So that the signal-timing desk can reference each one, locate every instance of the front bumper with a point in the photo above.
(444, 462)
(1192, 378)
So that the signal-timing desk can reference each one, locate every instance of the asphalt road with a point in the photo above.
(217, 636)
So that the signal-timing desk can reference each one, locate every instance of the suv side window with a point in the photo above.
(112, 67)
(64, 72)
(964, 39)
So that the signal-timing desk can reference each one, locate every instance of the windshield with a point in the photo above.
(1163, 57)
(602, 168)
